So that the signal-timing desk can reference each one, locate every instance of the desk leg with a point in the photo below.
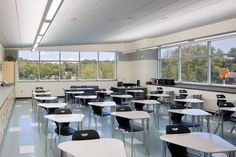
(163, 149)
(222, 125)
(113, 126)
(208, 123)
(205, 154)
(59, 131)
(132, 139)
(61, 153)
(148, 138)
(46, 136)
(90, 112)
(193, 119)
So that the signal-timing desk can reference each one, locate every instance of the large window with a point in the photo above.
(223, 56)
(107, 65)
(28, 65)
(49, 65)
(88, 65)
(201, 62)
(194, 62)
(169, 62)
(69, 65)
(66, 65)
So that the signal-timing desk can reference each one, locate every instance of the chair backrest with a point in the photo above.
(219, 99)
(139, 106)
(38, 87)
(123, 122)
(160, 90)
(119, 84)
(227, 114)
(176, 117)
(96, 109)
(63, 111)
(183, 92)
(180, 97)
(118, 101)
(85, 135)
(176, 150)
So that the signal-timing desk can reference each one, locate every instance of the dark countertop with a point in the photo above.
(205, 87)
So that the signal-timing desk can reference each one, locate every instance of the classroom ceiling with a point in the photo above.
(106, 21)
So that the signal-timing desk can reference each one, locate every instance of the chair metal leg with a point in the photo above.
(217, 127)
(232, 129)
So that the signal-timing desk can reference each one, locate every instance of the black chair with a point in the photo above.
(119, 84)
(85, 135)
(98, 111)
(227, 116)
(124, 123)
(220, 98)
(65, 130)
(176, 118)
(101, 95)
(38, 87)
(176, 150)
(183, 93)
(159, 90)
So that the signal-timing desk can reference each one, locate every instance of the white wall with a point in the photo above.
(1, 58)
(209, 97)
(143, 70)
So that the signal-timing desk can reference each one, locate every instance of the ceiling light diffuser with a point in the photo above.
(44, 28)
(39, 38)
(53, 9)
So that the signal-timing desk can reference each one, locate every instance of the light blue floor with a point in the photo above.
(25, 139)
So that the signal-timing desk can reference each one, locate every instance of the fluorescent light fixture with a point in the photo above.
(33, 49)
(174, 44)
(216, 36)
(36, 45)
(148, 48)
(39, 38)
(44, 28)
(129, 51)
(53, 9)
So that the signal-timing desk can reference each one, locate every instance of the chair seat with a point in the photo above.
(104, 114)
(136, 128)
(65, 131)
(188, 124)
(232, 119)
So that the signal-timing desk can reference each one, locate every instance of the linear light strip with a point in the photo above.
(53, 9)
(48, 16)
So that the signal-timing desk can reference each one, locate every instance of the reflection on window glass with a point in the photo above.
(28, 55)
(69, 70)
(194, 62)
(169, 62)
(88, 65)
(49, 70)
(28, 70)
(223, 56)
(69, 56)
(106, 65)
(49, 55)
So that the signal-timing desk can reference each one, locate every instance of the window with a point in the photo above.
(69, 65)
(223, 56)
(169, 62)
(28, 65)
(194, 62)
(49, 65)
(107, 65)
(66, 65)
(88, 65)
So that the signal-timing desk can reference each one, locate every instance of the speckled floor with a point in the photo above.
(26, 138)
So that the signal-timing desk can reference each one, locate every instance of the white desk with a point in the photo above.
(102, 105)
(123, 96)
(44, 98)
(107, 92)
(85, 97)
(104, 147)
(62, 118)
(73, 93)
(191, 101)
(193, 113)
(50, 106)
(204, 142)
(135, 115)
(159, 95)
(39, 94)
(154, 103)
